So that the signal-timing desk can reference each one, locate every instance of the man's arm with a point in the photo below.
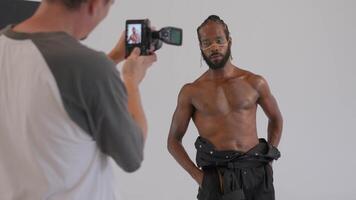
(120, 118)
(180, 122)
(133, 71)
(270, 107)
(117, 54)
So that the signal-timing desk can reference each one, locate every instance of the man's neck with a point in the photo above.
(50, 18)
(222, 73)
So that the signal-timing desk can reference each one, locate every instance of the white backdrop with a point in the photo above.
(306, 49)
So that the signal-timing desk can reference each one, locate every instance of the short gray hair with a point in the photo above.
(71, 4)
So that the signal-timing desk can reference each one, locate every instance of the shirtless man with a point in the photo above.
(134, 38)
(232, 162)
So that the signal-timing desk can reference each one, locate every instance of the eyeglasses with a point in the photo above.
(219, 43)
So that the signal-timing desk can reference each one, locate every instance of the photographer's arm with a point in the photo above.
(135, 106)
(133, 71)
(116, 109)
(117, 54)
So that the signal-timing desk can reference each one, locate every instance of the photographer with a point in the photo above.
(64, 109)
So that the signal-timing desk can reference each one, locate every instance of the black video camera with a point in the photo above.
(139, 34)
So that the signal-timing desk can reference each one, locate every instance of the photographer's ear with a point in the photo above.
(93, 6)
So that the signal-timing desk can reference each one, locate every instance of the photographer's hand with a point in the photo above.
(133, 72)
(117, 54)
(135, 67)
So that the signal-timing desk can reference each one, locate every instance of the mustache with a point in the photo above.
(216, 54)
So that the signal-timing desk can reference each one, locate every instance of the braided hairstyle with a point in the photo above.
(216, 19)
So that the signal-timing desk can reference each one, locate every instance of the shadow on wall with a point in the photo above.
(15, 11)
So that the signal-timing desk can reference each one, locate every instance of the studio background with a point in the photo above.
(306, 50)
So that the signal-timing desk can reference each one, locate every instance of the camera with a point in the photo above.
(139, 34)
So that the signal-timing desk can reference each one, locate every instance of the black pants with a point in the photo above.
(237, 184)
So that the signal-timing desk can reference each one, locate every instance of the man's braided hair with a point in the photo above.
(216, 19)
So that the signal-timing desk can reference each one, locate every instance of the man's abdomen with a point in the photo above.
(235, 131)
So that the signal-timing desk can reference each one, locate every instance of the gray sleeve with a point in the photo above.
(116, 133)
(94, 97)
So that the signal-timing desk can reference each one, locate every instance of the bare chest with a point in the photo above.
(224, 98)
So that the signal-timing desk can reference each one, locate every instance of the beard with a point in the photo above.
(221, 63)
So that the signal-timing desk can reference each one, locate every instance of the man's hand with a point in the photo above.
(198, 177)
(270, 163)
(135, 67)
(117, 54)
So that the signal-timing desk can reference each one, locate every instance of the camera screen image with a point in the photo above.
(134, 33)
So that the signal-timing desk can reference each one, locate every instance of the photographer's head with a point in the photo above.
(215, 42)
(86, 14)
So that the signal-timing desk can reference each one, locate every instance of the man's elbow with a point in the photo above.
(171, 145)
(280, 122)
(277, 120)
(132, 165)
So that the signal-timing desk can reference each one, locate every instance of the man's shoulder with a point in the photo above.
(255, 80)
(69, 54)
(2, 31)
(188, 89)
(73, 49)
(196, 84)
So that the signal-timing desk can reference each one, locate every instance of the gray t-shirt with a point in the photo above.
(63, 111)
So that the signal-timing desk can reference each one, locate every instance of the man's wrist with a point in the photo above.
(130, 83)
(195, 172)
(116, 56)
